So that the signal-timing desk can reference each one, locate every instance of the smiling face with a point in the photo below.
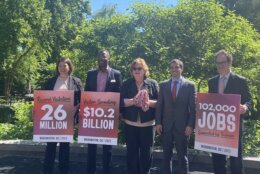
(63, 69)
(223, 65)
(103, 59)
(139, 69)
(176, 70)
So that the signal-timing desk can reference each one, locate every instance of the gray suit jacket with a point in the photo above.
(180, 113)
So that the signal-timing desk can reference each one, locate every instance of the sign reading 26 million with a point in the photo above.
(53, 116)
(217, 123)
(98, 120)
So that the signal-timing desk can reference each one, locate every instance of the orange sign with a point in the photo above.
(53, 116)
(217, 123)
(98, 119)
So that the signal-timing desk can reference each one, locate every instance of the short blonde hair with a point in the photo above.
(140, 61)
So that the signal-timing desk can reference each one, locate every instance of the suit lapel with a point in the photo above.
(215, 85)
(52, 83)
(229, 85)
(168, 87)
(110, 77)
(183, 83)
(95, 80)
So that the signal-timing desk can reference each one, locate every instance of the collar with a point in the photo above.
(226, 76)
(146, 81)
(107, 70)
(179, 79)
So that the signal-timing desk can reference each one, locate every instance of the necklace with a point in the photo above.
(139, 85)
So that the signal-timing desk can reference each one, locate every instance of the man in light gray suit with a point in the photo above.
(175, 117)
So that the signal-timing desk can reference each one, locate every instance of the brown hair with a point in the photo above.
(177, 61)
(142, 62)
(67, 61)
(227, 54)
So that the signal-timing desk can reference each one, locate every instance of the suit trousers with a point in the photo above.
(236, 163)
(139, 142)
(92, 159)
(181, 144)
(64, 154)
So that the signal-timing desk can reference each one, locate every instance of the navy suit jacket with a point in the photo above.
(113, 84)
(235, 85)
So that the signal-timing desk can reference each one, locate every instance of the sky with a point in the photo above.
(122, 5)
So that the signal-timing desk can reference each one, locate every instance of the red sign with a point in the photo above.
(98, 119)
(217, 123)
(53, 114)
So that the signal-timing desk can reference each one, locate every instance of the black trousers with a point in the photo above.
(64, 155)
(171, 138)
(92, 159)
(139, 141)
(236, 163)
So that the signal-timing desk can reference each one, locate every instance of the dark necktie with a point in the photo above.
(174, 91)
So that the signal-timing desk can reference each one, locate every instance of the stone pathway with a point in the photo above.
(11, 164)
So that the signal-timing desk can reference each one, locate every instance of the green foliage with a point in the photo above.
(6, 114)
(24, 45)
(252, 138)
(249, 9)
(22, 126)
(7, 131)
(2, 101)
(106, 11)
(34, 33)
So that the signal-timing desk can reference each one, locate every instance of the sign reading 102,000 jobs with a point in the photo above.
(217, 123)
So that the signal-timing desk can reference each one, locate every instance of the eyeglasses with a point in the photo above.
(222, 63)
(137, 68)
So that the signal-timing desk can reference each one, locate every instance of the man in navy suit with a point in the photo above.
(175, 117)
(103, 79)
(227, 82)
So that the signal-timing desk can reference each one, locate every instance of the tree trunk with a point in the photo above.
(9, 76)
(8, 84)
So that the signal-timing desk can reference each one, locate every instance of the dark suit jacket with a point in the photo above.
(180, 113)
(129, 90)
(77, 87)
(236, 85)
(113, 84)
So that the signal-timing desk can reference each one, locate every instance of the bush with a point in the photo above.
(7, 114)
(6, 131)
(22, 127)
(2, 101)
(252, 138)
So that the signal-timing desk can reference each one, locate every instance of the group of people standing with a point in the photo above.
(146, 108)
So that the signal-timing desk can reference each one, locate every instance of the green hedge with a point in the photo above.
(22, 123)
(21, 127)
(7, 114)
(252, 137)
